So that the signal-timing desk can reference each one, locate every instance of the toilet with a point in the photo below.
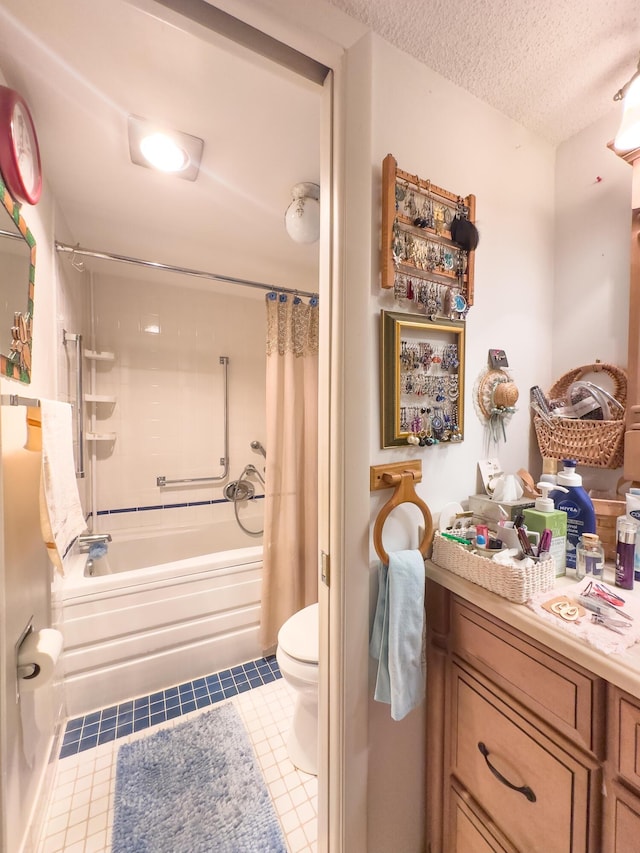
(297, 656)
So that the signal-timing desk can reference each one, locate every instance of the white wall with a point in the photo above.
(592, 245)
(168, 418)
(24, 567)
(440, 132)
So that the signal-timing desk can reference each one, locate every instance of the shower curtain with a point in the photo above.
(290, 580)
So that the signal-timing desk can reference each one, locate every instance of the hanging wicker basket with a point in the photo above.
(596, 444)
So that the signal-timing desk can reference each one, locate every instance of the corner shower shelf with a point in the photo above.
(99, 398)
(101, 436)
(92, 355)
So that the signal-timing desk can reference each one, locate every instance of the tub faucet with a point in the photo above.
(86, 540)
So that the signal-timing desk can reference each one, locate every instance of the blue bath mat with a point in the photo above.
(195, 788)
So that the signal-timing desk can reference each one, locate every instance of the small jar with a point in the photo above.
(589, 556)
(626, 530)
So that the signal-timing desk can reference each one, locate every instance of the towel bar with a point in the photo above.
(404, 483)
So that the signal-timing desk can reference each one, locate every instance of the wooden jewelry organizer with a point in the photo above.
(426, 252)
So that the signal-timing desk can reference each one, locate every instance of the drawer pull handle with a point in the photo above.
(524, 789)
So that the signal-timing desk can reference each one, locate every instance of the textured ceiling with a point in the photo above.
(552, 65)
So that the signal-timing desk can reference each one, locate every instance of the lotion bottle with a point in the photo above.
(543, 516)
(581, 517)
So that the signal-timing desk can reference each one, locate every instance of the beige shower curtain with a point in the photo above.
(290, 580)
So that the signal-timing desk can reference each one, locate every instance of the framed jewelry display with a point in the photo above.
(428, 243)
(422, 380)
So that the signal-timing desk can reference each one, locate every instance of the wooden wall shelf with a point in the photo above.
(431, 255)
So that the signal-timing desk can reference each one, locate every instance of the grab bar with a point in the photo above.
(17, 400)
(224, 460)
(69, 337)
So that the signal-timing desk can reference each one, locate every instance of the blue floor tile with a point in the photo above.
(106, 735)
(118, 721)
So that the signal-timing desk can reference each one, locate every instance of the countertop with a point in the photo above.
(623, 670)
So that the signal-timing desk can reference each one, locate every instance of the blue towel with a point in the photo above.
(397, 635)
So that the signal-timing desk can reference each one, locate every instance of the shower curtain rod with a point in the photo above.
(109, 256)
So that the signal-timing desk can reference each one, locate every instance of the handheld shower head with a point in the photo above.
(255, 445)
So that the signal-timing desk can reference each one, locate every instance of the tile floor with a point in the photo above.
(80, 813)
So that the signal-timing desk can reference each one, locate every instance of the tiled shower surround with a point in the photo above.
(168, 383)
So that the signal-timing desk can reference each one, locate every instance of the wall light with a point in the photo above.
(302, 217)
(628, 135)
(168, 151)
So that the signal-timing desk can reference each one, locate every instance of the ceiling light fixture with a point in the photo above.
(302, 217)
(628, 135)
(168, 151)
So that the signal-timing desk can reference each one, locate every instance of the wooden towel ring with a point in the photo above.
(404, 493)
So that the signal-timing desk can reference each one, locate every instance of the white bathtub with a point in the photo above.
(142, 625)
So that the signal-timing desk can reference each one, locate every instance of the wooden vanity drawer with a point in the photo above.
(541, 795)
(628, 738)
(470, 829)
(549, 685)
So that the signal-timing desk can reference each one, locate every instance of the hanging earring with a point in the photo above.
(453, 391)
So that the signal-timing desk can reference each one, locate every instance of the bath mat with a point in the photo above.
(195, 788)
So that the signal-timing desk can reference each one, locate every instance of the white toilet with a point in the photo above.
(297, 656)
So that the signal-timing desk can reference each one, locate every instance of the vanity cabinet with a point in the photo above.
(622, 810)
(515, 739)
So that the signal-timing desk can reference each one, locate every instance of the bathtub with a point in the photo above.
(153, 614)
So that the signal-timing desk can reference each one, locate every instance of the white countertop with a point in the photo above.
(623, 670)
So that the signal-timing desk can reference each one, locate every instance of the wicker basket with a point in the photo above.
(518, 585)
(596, 444)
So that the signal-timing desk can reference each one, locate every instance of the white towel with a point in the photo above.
(61, 514)
(397, 636)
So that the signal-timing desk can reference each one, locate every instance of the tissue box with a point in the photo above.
(483, 506)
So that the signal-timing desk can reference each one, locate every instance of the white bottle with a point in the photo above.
(581, 517)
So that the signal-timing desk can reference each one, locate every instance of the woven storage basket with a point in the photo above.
(597, 444)
(518, 585)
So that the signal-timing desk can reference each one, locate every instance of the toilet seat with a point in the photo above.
(298, 637)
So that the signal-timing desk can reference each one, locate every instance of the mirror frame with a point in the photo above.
(17, 365)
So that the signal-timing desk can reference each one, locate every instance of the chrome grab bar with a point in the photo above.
(69, 337)
(17, 400)
(224, 460)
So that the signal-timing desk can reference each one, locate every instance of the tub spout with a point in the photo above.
(86, 540)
